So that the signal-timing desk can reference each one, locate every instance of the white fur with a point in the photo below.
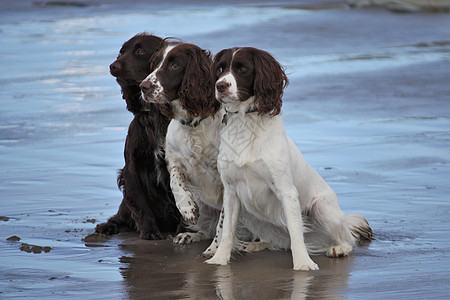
(231, 94)
(191, 155)
(264, 175)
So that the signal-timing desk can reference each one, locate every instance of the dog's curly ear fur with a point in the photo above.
(270, 81)
(197, 88)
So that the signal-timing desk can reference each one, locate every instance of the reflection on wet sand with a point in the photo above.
(159, 269)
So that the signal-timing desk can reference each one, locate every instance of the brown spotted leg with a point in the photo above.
(183, 197)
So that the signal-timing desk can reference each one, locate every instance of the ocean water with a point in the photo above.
(368, 106)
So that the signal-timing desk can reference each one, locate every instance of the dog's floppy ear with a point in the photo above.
(197, 88)
(270, 81)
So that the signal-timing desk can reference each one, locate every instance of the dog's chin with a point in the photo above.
(156, 99)
(226, 98)
(146, 98)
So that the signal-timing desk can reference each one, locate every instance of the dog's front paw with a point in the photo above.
(188, 237)
(107, 228)
(208, 253)
(306, 266)
(183, 238)
(218, 260)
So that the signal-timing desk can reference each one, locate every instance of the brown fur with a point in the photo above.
(263, 77)
(270, 81)
(148, 205)
(192, 83)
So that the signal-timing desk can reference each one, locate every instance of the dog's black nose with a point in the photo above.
(114, 68)
(221, 86)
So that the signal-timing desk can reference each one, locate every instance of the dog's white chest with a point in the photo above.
(253, 187)
(237, 141)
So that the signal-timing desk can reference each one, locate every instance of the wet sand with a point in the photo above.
(368, 105)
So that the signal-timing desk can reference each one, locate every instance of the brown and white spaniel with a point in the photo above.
(183, 83)
(264, 173)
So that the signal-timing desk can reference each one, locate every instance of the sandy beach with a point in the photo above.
(368, 105)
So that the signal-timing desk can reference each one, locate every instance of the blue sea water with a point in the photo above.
(368, 105)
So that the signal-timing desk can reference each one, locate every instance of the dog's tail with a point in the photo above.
(359, 227)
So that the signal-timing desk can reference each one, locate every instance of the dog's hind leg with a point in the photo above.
(250, 246)
(332, 222)
(238, 244)
(122, 221)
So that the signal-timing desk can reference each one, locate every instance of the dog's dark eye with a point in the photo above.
(219, 70)
(242, 69)
(139, 52)
(174, 66)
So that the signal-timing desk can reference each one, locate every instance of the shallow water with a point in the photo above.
(367, 104)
